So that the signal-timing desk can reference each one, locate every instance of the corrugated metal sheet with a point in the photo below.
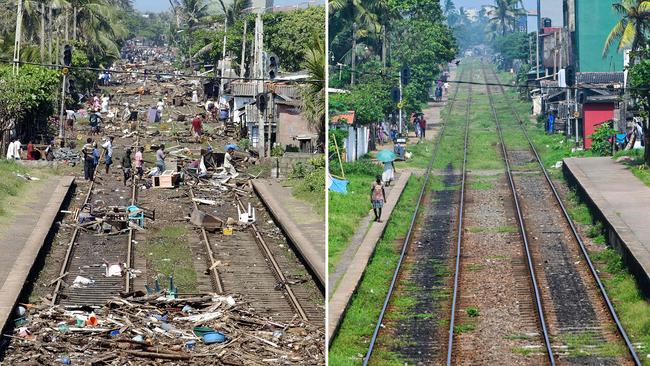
(238, 89)
(599, 77)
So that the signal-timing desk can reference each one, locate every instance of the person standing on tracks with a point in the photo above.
(126, 165)
(108, 160)
(139, 162)
(377, 198)
(87, 153)
(227, 162)
(197, 127)
(423, 128)
(160, 159)
(159, 109)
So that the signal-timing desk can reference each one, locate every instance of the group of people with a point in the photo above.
(15, 151)
(420, 126)
(91, 156)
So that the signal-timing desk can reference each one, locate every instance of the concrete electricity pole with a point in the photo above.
(259, 75)
(19, 29)
(242, 66)
(223, 58)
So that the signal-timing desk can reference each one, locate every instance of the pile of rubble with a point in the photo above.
(155, 330)
(67, 154)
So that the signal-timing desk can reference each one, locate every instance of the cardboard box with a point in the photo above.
(168, 179)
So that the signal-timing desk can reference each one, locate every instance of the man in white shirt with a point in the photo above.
(108, 145)
(160, 106)
(14, 150)
(227, 163)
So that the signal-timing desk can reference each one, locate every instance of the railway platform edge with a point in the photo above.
(311, 247)
(622, 202)
(24, 260)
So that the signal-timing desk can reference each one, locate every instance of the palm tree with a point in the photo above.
(360, 20)
(191, 13)
(99, 26)
(313, 95)
(503, 15)
(233, 11)
(631, 30)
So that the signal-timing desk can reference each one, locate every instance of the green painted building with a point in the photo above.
(590, 21)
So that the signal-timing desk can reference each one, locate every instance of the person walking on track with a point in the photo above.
(108, 159)
(126, 165)
(377, 198)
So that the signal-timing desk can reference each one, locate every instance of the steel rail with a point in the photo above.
(129, 249)
(266, 251)
(75, 233)
(409, 233)
(459, 241)
(575, 233)
(213, 267)
(522, 227)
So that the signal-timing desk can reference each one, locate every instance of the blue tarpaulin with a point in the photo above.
(337, 185)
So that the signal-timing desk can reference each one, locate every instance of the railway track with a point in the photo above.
(253, 264)
(410, 234)
(87, 251)
(567, 298)
(571, 292)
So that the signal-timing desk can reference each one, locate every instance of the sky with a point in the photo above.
(550, 9)
(162, 5)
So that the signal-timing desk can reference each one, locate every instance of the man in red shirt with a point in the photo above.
(197, 127)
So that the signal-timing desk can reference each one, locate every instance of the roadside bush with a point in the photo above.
(601, 144)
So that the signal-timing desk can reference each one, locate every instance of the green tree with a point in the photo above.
(313, 94)
(512, 46)
(639, 81)
(26, 99)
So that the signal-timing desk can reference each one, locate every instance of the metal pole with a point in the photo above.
(575, 95)
(272, 104)
(62, 112)
(354, 52)
(539, 32)
(400, 102)
(537, 55)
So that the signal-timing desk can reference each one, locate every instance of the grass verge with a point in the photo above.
(168, 254)
(10, 185)
(351, 342)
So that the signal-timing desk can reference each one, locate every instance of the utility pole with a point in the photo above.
(354, 52)
(74, 23)
(242, 66)
(42, 40)
(272, 105)
(49, 32)
(259, 75)
(19, 29)
(223, 59)
(539, 32)
(399, 106)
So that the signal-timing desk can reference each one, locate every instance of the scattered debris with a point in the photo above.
(202, 330)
